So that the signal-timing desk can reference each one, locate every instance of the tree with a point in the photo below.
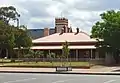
(108, 29)
(34, 54)
(6, 37)
(51, 56)
(38, 54)
(22, 40)
(65, 51)
(8, 14)
(10, 35)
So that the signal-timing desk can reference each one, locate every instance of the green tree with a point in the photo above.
(108, 29)
(6, 37)
(51, 56)
(34, 54)
(22, 40)
(38, 54)
(65, 50)
(11, 36)
(8, 14)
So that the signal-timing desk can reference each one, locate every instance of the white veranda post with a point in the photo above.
(91, 54)
(76, 55)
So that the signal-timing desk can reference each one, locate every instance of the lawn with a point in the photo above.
(4, 60)
(7, 63)
(45, 64)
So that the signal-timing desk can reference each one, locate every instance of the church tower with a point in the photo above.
(61, 23)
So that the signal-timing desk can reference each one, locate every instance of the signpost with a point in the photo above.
(64, 68)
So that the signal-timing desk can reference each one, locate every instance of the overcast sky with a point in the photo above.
(41, 13)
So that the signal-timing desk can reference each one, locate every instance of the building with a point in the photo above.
(59, 24)
(80, 43)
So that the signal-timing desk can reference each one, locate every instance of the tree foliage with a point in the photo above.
(65, 50)
(8, 14)
(22, 39)
(10, 35)
(108, 29)
(52, 55)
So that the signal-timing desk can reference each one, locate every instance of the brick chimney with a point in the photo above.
(62, 31)
(77, 29)
(46, 31)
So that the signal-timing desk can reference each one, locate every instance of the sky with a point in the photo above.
(42, 13)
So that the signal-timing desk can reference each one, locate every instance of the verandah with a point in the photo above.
(75, 54)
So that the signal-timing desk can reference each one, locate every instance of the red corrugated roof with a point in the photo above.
(69, 37)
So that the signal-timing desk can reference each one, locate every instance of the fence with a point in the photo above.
(97, 61)
(50, 59)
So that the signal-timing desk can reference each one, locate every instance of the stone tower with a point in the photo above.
(61, 23)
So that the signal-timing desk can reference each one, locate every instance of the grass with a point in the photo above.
(42, 64)
(4, 60)
(74, 64)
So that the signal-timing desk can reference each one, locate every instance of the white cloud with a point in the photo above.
(53, 11)
(41, 13)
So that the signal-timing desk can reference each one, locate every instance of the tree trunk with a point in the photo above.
(0, 52)
(109, 60)
(6, 52)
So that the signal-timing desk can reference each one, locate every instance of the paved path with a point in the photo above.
(103, 69)
(56, 78)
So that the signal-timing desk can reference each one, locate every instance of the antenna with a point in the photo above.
(62, 14)
(70, 25)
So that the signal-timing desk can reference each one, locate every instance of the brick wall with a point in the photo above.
(60, 23)
(46, 31)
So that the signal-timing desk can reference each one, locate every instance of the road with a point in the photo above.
(56, 78)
